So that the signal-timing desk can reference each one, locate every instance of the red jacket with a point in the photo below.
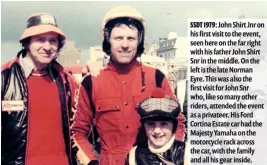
(115, 96)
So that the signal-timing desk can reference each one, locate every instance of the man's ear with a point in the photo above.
(106, 35)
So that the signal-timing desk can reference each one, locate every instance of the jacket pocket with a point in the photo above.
(137, 100)
(108, 114)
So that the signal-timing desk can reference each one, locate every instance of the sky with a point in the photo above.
(81, 21)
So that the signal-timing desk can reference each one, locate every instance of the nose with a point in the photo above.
(157, 130)
(125, 44)
(47, 46)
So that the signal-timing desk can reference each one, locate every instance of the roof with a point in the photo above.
(168, 44)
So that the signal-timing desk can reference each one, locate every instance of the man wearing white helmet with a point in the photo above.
(112, 97)
(36, 99)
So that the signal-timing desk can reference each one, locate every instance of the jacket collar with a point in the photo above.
(27, 65)
(123, 69)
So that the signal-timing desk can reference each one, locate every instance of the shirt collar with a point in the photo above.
(162, 149)
(26, 64)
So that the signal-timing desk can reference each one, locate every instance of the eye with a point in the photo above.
(53, 40)
(118, 38)
(131, 38)
(164, 123)
(40, 39)
(149, 123)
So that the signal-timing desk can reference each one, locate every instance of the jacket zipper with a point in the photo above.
(67, 109)
(28, 121)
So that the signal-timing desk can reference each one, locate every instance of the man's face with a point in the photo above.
(123, 41)
(158, 132)
(43, 48)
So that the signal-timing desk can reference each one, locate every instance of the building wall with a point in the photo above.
(167, 48)
(97, 54)
(174, 48)
(181, 46)
(152, 50)
(167, 54)
(69, 55)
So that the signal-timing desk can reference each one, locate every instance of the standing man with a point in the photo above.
(112, 97)
(36, 99)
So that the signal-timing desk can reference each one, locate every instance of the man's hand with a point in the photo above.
(93, 68)
(83, 160)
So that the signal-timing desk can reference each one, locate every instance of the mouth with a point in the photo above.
(123, 52)
(157, 137)
(46, 54)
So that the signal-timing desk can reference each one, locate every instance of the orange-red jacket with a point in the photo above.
(115, 95)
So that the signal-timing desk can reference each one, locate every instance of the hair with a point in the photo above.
(25, 44)
(141, 138)
(130, 22)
